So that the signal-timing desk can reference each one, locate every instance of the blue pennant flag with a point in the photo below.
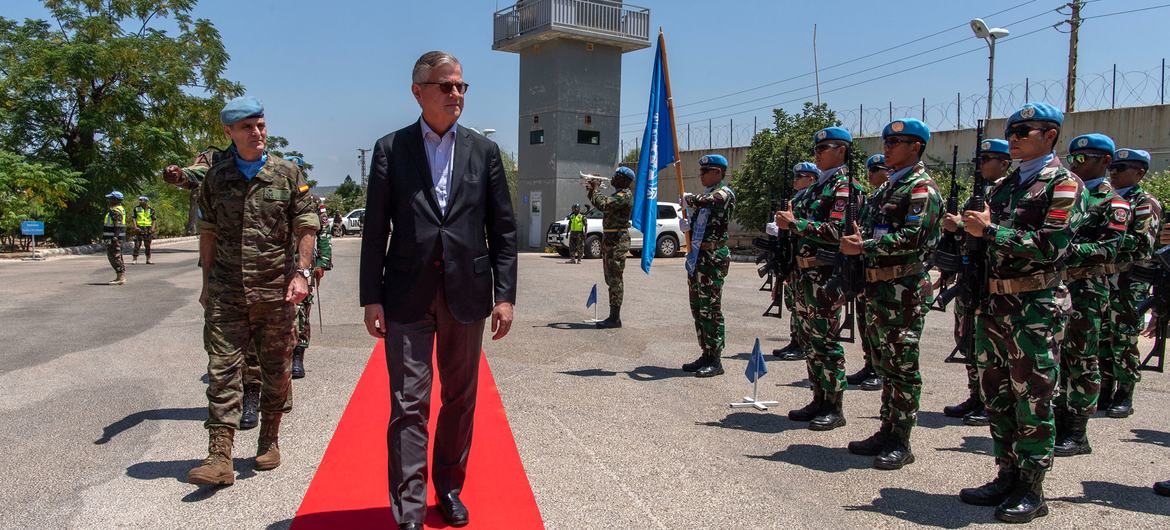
(592, 297)
(657, 153)
(756, 367)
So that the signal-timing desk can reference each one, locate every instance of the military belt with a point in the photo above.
(1080, 273)
(882, 274)
(1023, 284)
(808, 263)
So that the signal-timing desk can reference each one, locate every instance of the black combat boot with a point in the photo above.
(1060, 421)
(799, 353)
(792, 346)
(694, 366)
(1162, 488)
(1122, 402)
(251, 414)
(977, 417)
(897, 452)
(810, 411)
(1105, 397)
(831, 415)
(993, 493)
(298, 363)
(1076, 438)
(614, 320)
(713, 368)
(873, 445)
(1026, 501)
(964, 408)
(864, 373)
(873, 382)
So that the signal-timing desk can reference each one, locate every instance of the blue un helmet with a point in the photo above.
(625, 172)
(806, 167)
(878, 161)
(115, 195)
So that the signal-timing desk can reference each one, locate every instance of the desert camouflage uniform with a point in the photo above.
(1018, 331)
(901, 228)
(615, 242)
(705, 284)
(1125, 294)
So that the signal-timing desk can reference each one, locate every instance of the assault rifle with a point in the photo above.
(848, 271)
(947, 256)
(1159, 275)
(972, 285)
(777, 258)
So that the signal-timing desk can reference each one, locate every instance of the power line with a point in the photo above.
(1126, 12)
(843, 63)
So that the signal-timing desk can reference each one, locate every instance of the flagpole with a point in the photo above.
(673, 131)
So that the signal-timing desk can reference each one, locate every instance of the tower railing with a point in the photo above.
(600, 17)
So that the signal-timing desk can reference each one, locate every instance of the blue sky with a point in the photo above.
(335, 75)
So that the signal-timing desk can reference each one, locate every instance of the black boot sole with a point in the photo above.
(1119, 414)
(709, 373)
(891, 465)
(1022, 518)
(1086, 450)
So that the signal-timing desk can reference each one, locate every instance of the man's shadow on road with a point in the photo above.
(641, 373)
(1147, 436)
(926, 509)
(1120, 497)
(569, 325)
(129, 422)
(754, 422)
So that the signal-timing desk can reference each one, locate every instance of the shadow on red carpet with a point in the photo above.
(350, 489)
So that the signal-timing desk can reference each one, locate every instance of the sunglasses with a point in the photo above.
(1118, 168)
(893, 141)
(983, 159)
(878, 168)
(1022, 131)
(825, 147)
(705, 170)
(447, 86)
(1081, 158)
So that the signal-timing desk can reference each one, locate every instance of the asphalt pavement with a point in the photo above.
(101, 398)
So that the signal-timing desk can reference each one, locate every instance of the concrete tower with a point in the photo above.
(570, 98)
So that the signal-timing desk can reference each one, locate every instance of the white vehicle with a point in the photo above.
(351, 223)
(668, 239)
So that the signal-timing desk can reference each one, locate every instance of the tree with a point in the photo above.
(511, 172)
(770, 158)
(108, 93)
(276, 147)
(32, 190)
(349, 195)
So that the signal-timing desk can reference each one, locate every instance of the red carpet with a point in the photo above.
(350, 489)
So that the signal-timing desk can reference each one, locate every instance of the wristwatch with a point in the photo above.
(305, 272)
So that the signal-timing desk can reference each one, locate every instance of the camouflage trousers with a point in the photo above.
(1080, 376)
(614, 247)
(895, 311)
(114, 254)
(869, 339)
(230, 329)
(576, 245)
(961, 315)
(1016, 354)
(793, 316)
(1123, 356)
(820, 320)
(142, 238)
(301, 331)
(706, 295)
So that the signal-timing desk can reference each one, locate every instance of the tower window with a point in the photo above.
(536, 137)
(588, 137)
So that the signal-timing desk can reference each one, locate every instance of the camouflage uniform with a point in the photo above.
(869, 338)
(322, 259)
(1125, 294)
(615, 242)
(255, 223)
(1094, 245)
(114, 233)
(900, 230)
(1018, 329)
(711, 261)
(820, 217)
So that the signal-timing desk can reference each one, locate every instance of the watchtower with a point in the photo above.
(570, 97)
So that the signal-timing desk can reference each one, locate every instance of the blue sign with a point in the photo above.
(32, 228)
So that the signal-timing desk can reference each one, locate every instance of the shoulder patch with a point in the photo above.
(1065, 190)
(303, 188)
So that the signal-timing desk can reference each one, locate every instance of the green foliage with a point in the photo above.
(32, 191)
(512, 174)
(1158, 184)
(107, 92)
(349, 195)
(768, 166)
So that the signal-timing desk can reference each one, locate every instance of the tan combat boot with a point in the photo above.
(268, 450)
(120, 280)
(216, 469)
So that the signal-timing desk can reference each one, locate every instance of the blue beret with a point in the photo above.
(907, 127)
(713, 160)
(806, 167)
(1036, 112)
(994, 145)
(1094, 141)
(300, 162)
(143, 198)
(241, 108)
(832, 133)
(114, 195)
(625, 172)
(1126, 154)
(875, 160)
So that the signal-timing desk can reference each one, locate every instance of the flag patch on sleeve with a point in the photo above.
(1064, 191)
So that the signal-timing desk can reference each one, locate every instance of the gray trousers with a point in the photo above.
(408, 359)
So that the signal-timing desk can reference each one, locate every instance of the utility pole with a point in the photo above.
(816, 66)
(362, 158)
(1074, 23)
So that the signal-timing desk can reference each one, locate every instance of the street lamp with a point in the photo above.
(989, 35)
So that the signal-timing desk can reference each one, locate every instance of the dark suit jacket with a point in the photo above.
(472, 248)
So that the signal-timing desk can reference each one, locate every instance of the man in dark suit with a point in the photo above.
(451, 262)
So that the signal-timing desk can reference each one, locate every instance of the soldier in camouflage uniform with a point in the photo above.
(615, 241)
(867, 377)
(1028, 225)
(1121, 361)
(114, 233)
(994, 161)
(255, 209)
(1094, 247)
(708, 259)
(900, 229)
(819, 304)
(805, 173)
(322, 261)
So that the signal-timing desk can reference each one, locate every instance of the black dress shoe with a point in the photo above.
(711, 369)
(694, 366)
(410, 526)
(453, 510)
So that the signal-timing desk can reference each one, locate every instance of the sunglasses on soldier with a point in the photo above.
(1081, 158)
(1122, 166)
(1022, 131)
